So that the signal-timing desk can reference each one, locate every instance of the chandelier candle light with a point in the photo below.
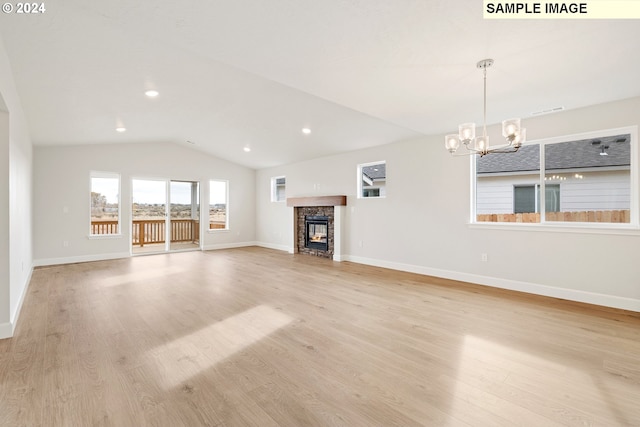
(511, 130)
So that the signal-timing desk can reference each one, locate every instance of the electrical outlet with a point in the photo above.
(484, 257)
(65, 244)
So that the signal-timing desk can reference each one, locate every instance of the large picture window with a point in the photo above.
(583, 179)
(218, 205)
(105, 203)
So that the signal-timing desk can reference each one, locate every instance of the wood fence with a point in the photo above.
(619, 216)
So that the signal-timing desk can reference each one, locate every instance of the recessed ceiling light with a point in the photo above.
(246, 149)
(306, 131)
(152, 93)
(121, 129)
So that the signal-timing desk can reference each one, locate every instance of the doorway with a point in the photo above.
(165, 216)
(184, 215)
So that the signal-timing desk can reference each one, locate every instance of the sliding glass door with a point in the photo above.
(160, 226)
(184, 215)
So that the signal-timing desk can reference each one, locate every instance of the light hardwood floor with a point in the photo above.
(256, 337)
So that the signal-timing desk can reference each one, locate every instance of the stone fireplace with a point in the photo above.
(317, 223)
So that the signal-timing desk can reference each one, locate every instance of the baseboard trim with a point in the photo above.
(16, 314)
(284, 248)
(6, 330)
(229, 246)
(82, 258)
(613, 301)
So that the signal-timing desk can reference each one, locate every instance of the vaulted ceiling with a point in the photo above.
(253, 73)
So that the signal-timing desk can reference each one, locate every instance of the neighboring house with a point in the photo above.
(591, 175)
(374, 180)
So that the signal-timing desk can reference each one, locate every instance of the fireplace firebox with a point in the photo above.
(316, 232)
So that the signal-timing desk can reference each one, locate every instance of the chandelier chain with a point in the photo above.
(484, 127)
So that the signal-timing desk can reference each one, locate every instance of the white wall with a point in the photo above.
(422, 224)
(62, 188)
(16, 262)
(5, 297)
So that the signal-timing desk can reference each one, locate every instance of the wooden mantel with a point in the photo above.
(317, 201)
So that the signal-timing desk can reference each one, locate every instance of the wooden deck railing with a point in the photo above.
(104, 227)
(148, 231)
(615, 216)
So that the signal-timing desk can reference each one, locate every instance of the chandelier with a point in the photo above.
(511, 130)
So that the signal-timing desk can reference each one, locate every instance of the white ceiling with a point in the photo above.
(359, 73)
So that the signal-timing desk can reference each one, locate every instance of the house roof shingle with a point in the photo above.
(578, 154)
(378, 171)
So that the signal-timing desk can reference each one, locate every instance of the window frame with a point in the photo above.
(105, 175)
(226, 226)
(360, 188)
(632, 227)
(274, 189)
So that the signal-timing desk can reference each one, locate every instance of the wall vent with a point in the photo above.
(547, 111)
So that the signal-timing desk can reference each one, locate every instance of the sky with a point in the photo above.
(154, 191)
(108, 187)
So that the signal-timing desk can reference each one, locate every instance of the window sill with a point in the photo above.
(104, 236)
(582, 228)
(218, 230)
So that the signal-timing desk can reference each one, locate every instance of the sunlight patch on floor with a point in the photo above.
(142, 276)
(497, 378)
(192, 354)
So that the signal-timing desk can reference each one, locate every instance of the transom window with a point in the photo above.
(372, 179)
(582, 179)
(278, 188)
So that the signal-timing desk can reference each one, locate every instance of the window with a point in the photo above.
(581, 179)
(105, 203)
(526, 198)
(278, 184)
(218, 205)
(372, 179)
